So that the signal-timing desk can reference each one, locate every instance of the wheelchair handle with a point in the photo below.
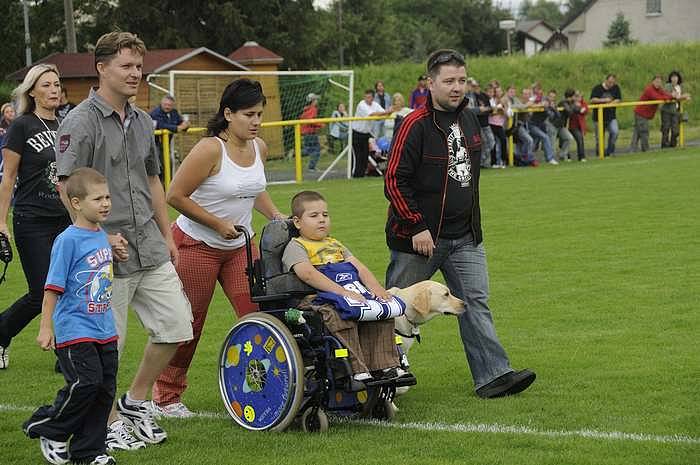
(248, 254)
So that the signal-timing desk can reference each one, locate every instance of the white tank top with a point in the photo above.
(230, 195)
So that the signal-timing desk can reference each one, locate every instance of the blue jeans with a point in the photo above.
(312, 147)
(463, 266)
(541, 136)
(613, 129)
(526, 145)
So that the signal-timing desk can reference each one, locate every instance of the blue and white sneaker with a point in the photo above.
(141, 418)
(55, 452)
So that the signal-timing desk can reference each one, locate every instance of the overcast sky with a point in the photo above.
(512, 5)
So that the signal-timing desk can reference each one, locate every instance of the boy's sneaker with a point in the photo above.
(4, 357)
(363, 377)
(140, 417)
(176, 410)
(103, 460)
(119, 437)
(55, 452)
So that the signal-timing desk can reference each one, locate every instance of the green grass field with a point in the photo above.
(594, 282)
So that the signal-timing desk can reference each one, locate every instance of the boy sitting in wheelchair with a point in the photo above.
(354, 306)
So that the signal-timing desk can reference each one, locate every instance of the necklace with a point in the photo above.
(44, 122)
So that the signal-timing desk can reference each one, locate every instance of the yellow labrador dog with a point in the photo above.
(424, 301)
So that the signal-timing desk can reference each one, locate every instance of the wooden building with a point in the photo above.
(196, 95)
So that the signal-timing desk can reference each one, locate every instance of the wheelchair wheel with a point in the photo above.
(314, 420)
(261, 373)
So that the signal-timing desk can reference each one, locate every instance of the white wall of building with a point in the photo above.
(679, 21)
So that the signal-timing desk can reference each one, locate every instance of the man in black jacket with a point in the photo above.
(432, 183)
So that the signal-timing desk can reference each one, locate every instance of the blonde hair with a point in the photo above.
(4, 107)
(399, 97)
(80, 180)
(25, 102)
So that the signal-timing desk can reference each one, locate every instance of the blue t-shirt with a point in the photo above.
(345, 274)
(81, 271)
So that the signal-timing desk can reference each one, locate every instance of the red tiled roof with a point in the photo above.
(76, 65)
(253, 52)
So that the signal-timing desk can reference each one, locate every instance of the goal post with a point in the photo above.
(197, 95)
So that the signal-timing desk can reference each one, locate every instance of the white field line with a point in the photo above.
(526, 430)
(475, 428)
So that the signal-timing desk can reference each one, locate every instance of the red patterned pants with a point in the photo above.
(199, 268)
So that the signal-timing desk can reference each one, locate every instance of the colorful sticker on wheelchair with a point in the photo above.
(257, 376)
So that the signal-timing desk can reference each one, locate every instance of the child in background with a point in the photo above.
(76, 321)
(315, 257)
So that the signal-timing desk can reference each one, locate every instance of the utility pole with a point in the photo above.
(340, 31)
(27, 38)
(71, 46)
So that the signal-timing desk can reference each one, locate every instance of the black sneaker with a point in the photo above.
(507, 385)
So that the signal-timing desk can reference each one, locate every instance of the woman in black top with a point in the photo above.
(38, 214)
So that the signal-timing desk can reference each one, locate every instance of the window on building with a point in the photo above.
(653, 7)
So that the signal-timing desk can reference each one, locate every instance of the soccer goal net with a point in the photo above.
(197, 95)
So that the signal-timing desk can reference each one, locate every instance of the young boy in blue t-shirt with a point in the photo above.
(76, 321)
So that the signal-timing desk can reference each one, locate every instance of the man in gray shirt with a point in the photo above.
(109, 134)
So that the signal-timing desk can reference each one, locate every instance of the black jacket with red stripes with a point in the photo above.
(415, 181)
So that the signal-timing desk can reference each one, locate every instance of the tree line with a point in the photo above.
(359, 32)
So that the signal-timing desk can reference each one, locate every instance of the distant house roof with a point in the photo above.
(572, 18)
(252, 53)
(77, 65)
(526, 28)
(557, 37)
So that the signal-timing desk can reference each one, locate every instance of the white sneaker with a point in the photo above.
(553, 162)
(119, 437)
(176, 410)
(103, 459)
(55, 452)
(140, 417)
(4, 357)
(362, 377)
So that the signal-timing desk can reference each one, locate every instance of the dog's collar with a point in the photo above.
(415, 336)
(415, 332)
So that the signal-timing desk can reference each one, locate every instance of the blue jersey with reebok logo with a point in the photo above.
(346, 275)
(81, 272)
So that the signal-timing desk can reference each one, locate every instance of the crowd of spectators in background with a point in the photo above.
(540, 121)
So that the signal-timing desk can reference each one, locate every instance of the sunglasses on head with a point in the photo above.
(446, 57)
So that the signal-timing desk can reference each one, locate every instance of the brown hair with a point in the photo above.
(109, 45)
(302, 198)
(80, 180)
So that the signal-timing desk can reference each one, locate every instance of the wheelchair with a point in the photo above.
(281, 365)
